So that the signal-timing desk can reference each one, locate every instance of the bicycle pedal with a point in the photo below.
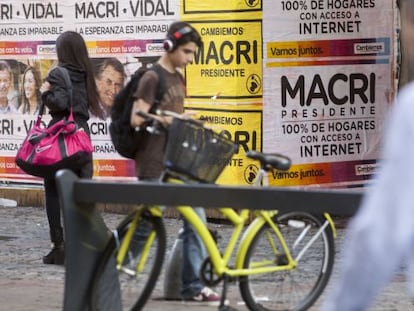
(232, 279)
(127, 271)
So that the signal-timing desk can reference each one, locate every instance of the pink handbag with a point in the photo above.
(62, 145)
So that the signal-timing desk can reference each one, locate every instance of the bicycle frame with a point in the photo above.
(263, 245)
(221, 262)
(238, 220)
(123, 247)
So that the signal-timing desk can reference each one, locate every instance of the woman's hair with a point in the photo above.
(71, 49)
(38, 82)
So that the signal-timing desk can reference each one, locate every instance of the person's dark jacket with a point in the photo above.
(57, 98)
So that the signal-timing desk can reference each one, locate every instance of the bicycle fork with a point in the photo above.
(124, 247)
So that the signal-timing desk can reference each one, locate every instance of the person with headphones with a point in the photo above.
(180, 45)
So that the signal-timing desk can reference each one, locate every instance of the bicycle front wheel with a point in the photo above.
(137, 275)
(298, 288)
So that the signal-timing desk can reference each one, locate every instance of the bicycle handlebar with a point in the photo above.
(145, 115)
(165, 113)
(151, 124)
(268, 161)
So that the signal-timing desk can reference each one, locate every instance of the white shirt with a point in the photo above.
(381, 235)
(8, 109)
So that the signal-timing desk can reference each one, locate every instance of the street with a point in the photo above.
(28, 285)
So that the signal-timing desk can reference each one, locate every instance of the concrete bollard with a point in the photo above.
(172, 277)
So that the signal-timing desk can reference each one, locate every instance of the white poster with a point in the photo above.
(128, 34)
(329, 79)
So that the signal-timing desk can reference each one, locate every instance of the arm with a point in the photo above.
(54, 92)
(144, 99)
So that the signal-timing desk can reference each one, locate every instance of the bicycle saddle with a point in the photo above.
(270, 161)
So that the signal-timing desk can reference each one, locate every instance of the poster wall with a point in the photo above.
(328, 83)
(312, 79)
(224, 83)
(127, 34)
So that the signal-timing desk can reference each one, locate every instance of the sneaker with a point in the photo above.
(208, 296)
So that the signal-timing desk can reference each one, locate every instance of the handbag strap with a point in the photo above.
(68, 82)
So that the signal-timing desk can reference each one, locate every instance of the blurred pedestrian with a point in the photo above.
(380, 238)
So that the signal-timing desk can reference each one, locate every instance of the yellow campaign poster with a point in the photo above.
(216, 7)
(241, 124)
(229, 62)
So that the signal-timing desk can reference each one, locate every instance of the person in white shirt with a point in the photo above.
(380, 237)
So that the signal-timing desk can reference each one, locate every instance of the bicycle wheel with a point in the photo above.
(134, 290)
(295, 289)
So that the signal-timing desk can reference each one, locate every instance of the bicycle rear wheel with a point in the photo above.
(135, 287)
(295, 289)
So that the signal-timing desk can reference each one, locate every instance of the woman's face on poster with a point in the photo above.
(29, 85)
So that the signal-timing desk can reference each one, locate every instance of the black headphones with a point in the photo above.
(170, 43)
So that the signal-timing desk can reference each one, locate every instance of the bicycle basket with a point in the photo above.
(196, 151)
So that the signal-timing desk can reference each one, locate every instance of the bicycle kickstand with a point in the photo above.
(223, 306)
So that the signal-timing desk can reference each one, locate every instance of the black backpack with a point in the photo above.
(125, 138)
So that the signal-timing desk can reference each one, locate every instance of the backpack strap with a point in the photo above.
(160, 87)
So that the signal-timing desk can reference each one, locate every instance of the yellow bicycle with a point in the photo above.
(281, 261)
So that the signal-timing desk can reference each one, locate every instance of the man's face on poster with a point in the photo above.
(5, 82)
(109, 84)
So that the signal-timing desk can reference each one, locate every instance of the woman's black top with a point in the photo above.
(57, 98)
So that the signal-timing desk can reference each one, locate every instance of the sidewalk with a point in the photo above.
(26, 284)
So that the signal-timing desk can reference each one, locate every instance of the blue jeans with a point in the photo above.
(194, 252)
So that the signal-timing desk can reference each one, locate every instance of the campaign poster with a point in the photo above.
(121, 36)
(329, 80)
(242, 124)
